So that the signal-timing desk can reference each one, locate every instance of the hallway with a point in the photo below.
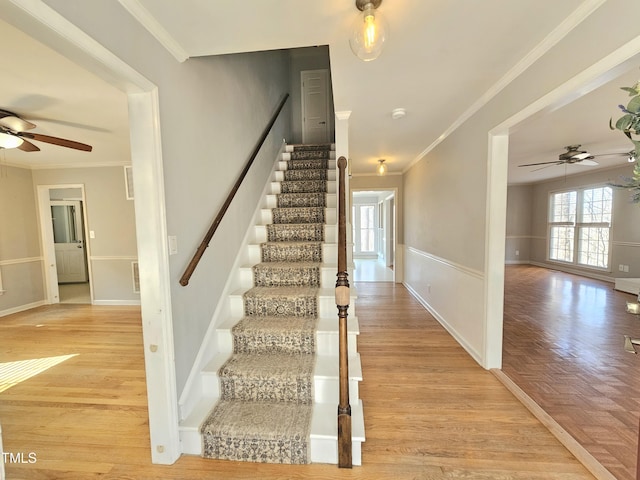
(564, 347)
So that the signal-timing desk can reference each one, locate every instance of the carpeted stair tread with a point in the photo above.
(270, 377)
(295, 232)
(291, 251)
(282, 301)
(296, 175)
(287, 335)
(308, 199)
(285, 274)
(258, 432)
(309, 154)
(308, 164)
(298, 215)
(303, 186)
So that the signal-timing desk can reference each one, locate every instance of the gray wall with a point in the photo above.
(111, 216)
(518, 231)
(212, 112)
(20, 257)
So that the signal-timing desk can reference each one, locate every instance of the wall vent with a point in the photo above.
(128, 181)
(135, 273)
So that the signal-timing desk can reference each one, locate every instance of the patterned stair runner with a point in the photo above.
(265, 406)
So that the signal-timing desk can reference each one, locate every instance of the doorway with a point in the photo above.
(63, 235)
(374, 233)
(316, 108)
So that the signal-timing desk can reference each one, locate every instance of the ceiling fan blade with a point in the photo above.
(15, 123)
(556, 162)
(587, 162)
(28, 147)
(57, 141)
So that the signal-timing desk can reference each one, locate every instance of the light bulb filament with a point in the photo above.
(370, 31)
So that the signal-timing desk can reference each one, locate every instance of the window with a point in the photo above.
(364, 229)
(579, 223)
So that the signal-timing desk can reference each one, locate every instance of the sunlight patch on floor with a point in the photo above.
(12, 373)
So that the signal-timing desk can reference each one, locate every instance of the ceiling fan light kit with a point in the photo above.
(13, 134)
(9, 141)
(572, 156)
(369, 31)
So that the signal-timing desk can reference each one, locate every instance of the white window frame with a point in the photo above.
(579, 226)
(357, 230)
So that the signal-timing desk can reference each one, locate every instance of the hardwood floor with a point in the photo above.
(431, 412)
(563, 345)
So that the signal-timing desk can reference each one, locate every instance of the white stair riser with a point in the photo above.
(326, 306)
(331, 201)
(327, 343)
(327, 277)
(325, 450)
(329, 254)
(325, 389)
(330, 235)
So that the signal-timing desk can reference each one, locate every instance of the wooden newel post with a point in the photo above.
(342, 302)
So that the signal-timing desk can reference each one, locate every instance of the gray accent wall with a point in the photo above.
(212, 111)
(518, 231)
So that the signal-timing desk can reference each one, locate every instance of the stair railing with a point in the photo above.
(184, 280)
(342, 302)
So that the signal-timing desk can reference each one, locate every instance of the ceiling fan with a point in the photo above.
(14, 134)
(572, 156)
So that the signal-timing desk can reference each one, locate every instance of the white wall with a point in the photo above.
(445, 193)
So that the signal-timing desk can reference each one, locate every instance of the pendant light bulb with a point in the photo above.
(369, 31)
(381, 169)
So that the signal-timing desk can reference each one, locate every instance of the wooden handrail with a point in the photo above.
(184, 280)
(342, 302)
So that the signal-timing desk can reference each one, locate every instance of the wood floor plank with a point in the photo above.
(563, 346)
(431, 412)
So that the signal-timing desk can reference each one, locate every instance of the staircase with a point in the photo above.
(270, 390)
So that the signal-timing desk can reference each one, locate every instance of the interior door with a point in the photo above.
(315, 106)
(68, 241)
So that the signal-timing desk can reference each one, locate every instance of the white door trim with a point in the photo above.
(325, 73)
(46, 240)
(42, 22)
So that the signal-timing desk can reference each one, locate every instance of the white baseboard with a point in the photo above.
(22, 308)
(117, 302)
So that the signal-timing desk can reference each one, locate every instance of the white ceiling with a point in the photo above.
(441, 57)
(63, 100)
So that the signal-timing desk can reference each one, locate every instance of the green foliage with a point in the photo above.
(629, 124)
